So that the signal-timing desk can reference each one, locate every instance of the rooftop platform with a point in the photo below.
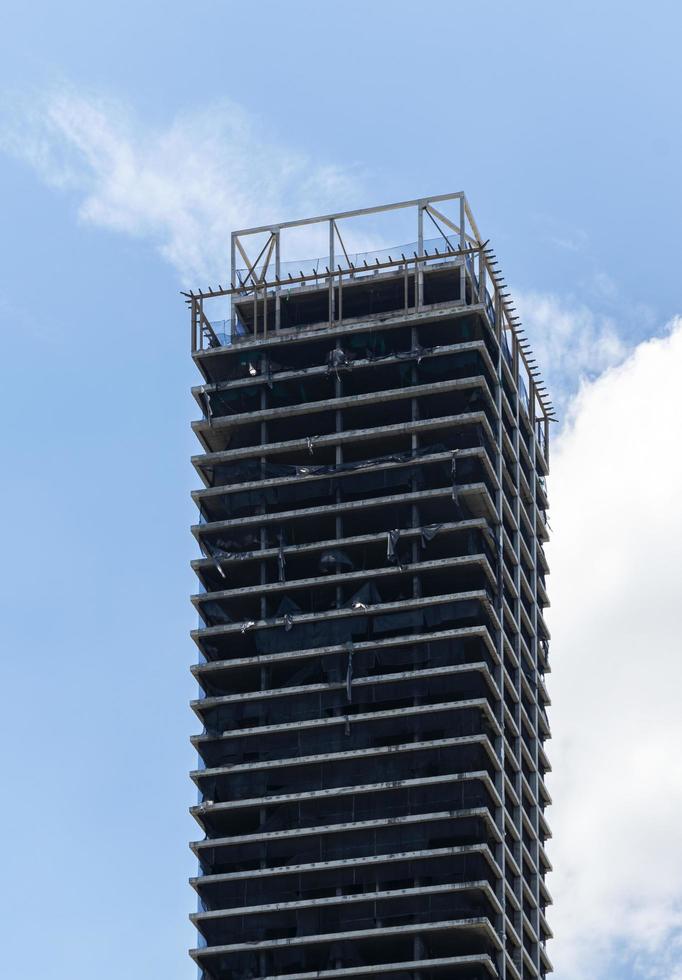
(446, 264)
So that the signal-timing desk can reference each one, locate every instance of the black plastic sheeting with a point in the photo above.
(366, 482)
(339, 631)
(449, 722)
(357, 696)
(235, 401)
(239, 544)
(444, 869)
(322, 920)
(422, 759)
(252, 470)
(331, 669)
(245, 501)
(335, 560)
(392, 542)
(373, 953)
(387, 801)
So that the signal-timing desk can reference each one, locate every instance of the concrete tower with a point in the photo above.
(372, 642)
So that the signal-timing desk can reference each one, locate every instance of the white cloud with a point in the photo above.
(604, 285)
(616, 560)
(570, 342)
(185, 186)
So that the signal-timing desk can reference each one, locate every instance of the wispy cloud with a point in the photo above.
(184, 186)
(552, 231)
(576, 243)
(616, 556)
(571, 342)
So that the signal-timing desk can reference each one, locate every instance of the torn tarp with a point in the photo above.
(360, 627)
(366, 595)
(454, 475)
(243, 541)
(219, 553)
(335, 561)
(288, 607)
(392, 540)
(429, 616)
(405, 478)
(415, 353)
(454, 365)
(321, 632)
(336, 359)
(213, 554)
(214, 614)
(428, 533)
(224, 402)
(286, 610)
(281, 560)
(248, 470)
(349, 671)
(206, 405)
(305, 636)
(251, 470)
(398, 621)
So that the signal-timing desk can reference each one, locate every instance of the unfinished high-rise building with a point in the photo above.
(372, 642)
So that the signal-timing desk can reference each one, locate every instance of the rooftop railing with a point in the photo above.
(267, 283)
(402, 260)
(356, 263)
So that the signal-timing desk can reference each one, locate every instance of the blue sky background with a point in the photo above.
(562, 124)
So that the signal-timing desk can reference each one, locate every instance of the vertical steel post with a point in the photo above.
(278, 288)
(331, 272)
(462, 244)
(418, 272)
(233, 284)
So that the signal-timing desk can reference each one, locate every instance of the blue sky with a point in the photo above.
(133, 137)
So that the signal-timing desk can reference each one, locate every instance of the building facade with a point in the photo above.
(372, 645)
